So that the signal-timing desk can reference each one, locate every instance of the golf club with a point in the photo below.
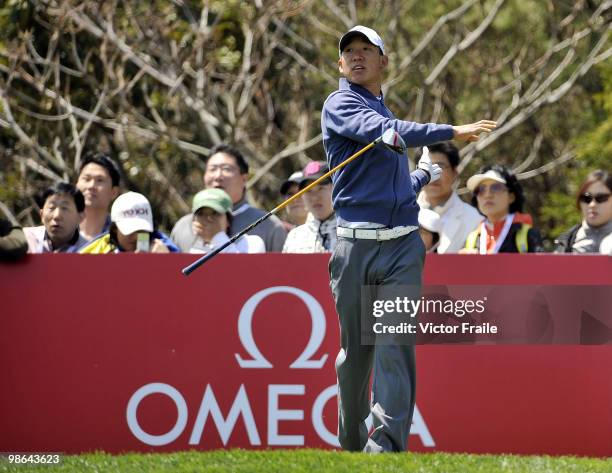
(390, 138)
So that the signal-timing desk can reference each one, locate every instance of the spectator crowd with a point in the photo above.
(93, 216)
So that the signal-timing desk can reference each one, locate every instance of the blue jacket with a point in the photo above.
(376, 187)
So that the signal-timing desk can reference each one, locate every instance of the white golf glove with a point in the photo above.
(425, 164)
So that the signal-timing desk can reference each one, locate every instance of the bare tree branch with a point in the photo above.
(466, 43)
(8, 214)
(340, 15)
(426, 41)
(568, 156)
(42, 170)
(23, 137)
(283, 154)
(535, 148)
(546, 98)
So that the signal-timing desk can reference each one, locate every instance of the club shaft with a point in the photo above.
(208, 256)
(324, 177)
(203, 259)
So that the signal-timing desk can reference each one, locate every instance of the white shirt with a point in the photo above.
(39, 242)
(313, 236)
(347, 224)
(244, 244)
(606, 245)
(457, 220)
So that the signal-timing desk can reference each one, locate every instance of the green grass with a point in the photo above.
(316, 461)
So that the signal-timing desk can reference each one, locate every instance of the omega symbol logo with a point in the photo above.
(245, 330)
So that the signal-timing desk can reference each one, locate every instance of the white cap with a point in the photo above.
(474, 181)
(430, 220)
(371, 35)
(131, 212)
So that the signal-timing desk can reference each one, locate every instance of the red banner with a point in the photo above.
(123, 353)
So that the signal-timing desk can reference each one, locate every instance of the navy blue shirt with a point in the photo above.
(376, 187)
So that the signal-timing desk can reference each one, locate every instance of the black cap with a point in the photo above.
(295, 178)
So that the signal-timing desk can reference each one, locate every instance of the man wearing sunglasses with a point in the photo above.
(594, 202)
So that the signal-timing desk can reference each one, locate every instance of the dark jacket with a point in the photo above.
(565, 241)
(509, 245)
(376, 187)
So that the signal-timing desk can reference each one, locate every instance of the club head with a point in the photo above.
(393, 141)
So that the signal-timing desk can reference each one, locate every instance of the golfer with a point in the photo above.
(378, 244)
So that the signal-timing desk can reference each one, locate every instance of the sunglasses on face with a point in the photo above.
(496, 188)
(587, 198)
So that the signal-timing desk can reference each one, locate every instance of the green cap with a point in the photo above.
(216, 199)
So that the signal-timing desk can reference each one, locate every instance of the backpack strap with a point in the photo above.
(472, 239)
(521, 238)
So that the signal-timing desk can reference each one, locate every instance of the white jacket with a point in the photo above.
(309, 237)
(457, 220)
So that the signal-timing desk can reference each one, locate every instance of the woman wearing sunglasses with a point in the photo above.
(499, 197)
(595, 231)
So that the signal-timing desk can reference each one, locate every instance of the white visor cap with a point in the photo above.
(474, 181)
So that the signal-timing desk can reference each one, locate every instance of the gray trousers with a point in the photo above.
(353, 265)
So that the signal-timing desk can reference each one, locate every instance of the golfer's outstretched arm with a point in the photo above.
(347, 115)
(472, 131)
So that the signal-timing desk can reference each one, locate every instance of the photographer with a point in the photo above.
(131, 229)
